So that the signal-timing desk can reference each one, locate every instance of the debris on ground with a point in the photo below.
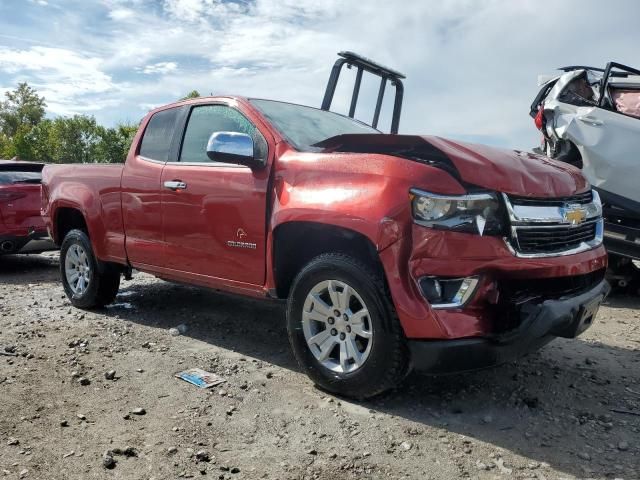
(201, 378)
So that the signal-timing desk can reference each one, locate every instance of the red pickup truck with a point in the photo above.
(393, 251)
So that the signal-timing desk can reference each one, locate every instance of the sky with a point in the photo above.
(472, 66)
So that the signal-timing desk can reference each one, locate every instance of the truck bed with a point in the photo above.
(95, 190)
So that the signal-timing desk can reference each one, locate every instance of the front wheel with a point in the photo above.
(343, 328)
(87, 283)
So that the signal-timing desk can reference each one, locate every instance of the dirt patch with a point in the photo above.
(571, 410)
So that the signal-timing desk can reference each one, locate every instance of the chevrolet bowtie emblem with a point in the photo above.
(574, 214)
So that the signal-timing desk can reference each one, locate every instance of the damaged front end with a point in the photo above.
(490, 274)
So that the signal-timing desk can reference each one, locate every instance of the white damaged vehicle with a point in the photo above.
(590, 117)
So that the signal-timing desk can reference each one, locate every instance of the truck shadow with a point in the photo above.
(550, 406)
(28, 268)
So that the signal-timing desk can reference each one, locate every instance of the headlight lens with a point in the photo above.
(479, 213)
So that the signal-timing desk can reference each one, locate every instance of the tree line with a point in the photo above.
(26, 134)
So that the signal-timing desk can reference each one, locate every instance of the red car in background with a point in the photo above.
(22, 229)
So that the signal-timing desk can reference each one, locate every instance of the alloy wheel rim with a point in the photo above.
(337, 326)
(77, 269)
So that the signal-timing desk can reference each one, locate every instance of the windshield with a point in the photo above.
(304, 126)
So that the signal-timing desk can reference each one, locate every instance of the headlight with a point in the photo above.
(474, 213)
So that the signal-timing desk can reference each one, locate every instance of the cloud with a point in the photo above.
(70, 82)
(160, 67)
(120, 14)
(200, 10)
(471, 66)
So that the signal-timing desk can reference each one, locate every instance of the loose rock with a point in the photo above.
(108, 461)
(202, 456)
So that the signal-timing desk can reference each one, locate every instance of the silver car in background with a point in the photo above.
(590, 117)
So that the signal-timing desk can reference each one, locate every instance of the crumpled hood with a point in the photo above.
(508, 171)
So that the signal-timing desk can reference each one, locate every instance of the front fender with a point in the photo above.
(375, 210)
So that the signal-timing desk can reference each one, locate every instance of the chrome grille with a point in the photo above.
(580, 199)
(542, 227)
(554, 238)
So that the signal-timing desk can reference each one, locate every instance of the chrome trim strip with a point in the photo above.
(558, 225)
(471, 290)
(150, 160)
(528, 213)
(208, 163)
(470, 196)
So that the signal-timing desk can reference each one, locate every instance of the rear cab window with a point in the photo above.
(158, 135)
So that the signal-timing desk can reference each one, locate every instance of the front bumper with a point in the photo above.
(540, 322)
(427, 252)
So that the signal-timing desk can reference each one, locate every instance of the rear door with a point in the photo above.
(141, 189)
(214, 226)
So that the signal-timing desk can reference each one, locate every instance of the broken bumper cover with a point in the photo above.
(540, 323)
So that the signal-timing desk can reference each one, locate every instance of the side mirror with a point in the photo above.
(232, 147)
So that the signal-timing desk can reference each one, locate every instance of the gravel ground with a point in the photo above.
(569, 411)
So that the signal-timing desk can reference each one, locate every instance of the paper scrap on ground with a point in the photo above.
(201, 378)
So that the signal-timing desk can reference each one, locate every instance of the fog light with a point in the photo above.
(431, 289)
(448, 292)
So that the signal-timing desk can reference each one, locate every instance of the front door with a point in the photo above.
(612, 150)
(214, 214)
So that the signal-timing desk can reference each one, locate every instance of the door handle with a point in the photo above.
(175, 185)
(590, 120)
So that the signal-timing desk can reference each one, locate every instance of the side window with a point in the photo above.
(626, 101)
(207, 119)
(580, 93)
(156, 141)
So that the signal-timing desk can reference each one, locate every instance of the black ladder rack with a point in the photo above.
(364, 64)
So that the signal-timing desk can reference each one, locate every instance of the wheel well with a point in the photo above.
(68, 219)
(296, 243)
(570, 154)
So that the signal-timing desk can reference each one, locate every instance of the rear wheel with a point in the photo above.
(87, 283)
(343, 328)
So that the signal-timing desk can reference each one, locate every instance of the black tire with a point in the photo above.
(104, 278)
(388, 361)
